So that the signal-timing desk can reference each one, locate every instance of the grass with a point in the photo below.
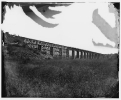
(30, 77)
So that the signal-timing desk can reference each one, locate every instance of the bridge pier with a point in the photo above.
(67, 53)
(88, 55)
(93, 55)
(81, 54)
(60, 53)
(64, 53)
(77, 54)
(70, 53)
(84, 54)
(73, 54)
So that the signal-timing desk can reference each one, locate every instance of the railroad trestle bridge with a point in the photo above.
(55, 50)
(60, 51)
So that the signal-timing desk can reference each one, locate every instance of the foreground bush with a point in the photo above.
(61, 78)
(25, 55)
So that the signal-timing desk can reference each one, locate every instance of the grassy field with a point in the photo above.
(29, 75)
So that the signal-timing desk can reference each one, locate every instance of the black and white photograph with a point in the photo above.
(60, 49)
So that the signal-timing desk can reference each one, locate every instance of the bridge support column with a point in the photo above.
(81, 56)
(93, 55)
(67, 53)
(77, 54)
(60, 53)
(70, 53)
(73, 54)
(84, 54)
(88, 55)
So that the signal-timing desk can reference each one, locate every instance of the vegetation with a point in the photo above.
(29, 74)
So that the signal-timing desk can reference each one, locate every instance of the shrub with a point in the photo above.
(60, 78)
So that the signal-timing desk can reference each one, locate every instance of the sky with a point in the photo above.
(81, 25)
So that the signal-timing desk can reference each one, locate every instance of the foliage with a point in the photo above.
(58, 77)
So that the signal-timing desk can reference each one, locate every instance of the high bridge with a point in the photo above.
(55, 50)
